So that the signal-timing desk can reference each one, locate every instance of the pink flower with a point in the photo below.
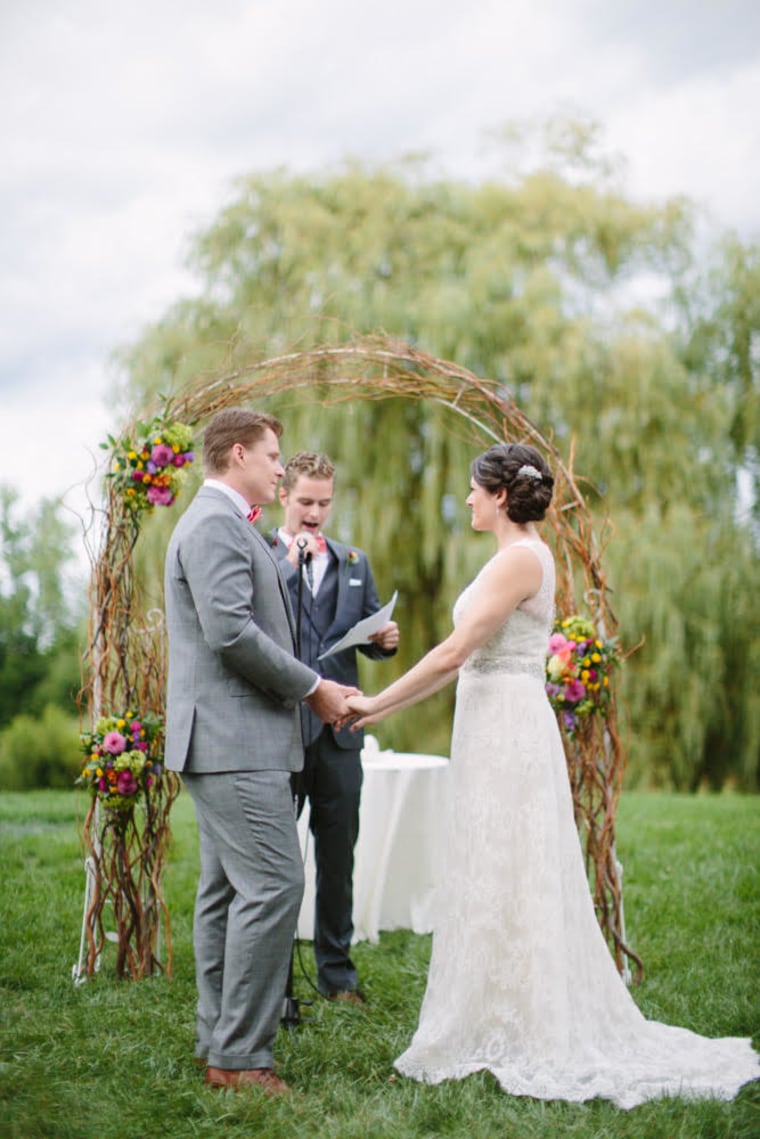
(125, 783)
(114, 743)
(179, 460)
(135, 726)
(574, 691)
(162, 454)
(160, 496)
(138, 476)
(140, 745)
(557, 642)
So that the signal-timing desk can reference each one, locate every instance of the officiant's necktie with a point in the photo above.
(254, 514)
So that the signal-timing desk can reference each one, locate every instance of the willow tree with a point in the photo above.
(571, 295)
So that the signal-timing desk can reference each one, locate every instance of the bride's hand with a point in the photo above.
(362, 707)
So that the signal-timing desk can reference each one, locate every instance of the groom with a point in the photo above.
(233, 731)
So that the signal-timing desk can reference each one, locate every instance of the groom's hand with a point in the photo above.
(328, 701)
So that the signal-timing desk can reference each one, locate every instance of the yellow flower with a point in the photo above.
(121, 723)
(584, 675)
(606, 682)
(147, 479)
(158, 439)
(175, 449)
(132, 455)
(140, 464)
(145, 454)
(99, 772)
(117, 465)
(131, 491)
(598, 644)
(595, 658)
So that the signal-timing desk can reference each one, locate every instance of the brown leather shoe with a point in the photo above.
(349, 997)
(235, 1078)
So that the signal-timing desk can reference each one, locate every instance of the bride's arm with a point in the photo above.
(510, 577)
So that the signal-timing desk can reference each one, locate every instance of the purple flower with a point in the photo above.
(114, 743)
(151, 466)
(574, 691)
(102, 785)
(162, 454)
(568, 720)
(189, 456)
(125, 783)
(157, 769)
(160, 496)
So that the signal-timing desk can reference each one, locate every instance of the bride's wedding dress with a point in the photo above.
(521, 981)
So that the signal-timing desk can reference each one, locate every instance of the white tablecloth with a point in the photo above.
(396, 856)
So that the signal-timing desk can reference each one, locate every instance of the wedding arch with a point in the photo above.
(126, 830)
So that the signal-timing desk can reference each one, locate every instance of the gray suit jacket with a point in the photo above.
(234, 684)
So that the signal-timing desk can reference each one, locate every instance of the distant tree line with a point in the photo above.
(40, 634)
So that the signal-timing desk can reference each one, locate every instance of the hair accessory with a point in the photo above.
(527, 469)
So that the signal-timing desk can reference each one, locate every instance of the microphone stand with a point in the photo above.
(291, 1013)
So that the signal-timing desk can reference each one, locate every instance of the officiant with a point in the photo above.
(337, 589)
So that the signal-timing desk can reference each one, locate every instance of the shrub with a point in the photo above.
(40, 751)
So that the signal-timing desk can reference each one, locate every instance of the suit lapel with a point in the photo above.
(265, 545)
(339, 552)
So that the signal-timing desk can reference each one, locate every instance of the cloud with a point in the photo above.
(124, 128)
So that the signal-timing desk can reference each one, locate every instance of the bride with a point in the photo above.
(521, 981)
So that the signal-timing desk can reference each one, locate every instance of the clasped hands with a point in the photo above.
(340, 704)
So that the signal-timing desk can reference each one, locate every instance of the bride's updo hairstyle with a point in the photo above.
(522, 472)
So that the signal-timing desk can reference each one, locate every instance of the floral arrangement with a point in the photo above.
(123, 759)
(148, 470)
(578, 671)
(352, 557)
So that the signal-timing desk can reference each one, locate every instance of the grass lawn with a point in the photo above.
(113, 1060)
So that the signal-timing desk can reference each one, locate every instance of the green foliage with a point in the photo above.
(113, 1060)
(39, 656)
(40, 751)
(593, 312)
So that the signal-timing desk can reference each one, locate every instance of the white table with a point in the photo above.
(396, 856)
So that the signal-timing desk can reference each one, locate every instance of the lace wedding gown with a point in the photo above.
(521, 981)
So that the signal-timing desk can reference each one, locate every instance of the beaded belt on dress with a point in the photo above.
(514, 665)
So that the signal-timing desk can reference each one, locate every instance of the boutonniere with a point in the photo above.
(352, 557)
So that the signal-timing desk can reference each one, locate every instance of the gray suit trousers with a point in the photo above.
(249, 894)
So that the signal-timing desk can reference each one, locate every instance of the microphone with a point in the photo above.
(304, 555)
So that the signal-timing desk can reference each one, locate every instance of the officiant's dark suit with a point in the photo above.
(332, 775)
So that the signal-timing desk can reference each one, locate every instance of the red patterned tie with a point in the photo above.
(254, 514)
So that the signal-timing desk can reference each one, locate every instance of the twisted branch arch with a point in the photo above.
(127, 651)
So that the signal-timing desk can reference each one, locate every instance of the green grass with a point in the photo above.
(113, 1060)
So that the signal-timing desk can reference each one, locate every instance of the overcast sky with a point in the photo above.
(123, 127)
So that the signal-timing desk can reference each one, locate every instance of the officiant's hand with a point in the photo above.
(387, 636)
(306, 543)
